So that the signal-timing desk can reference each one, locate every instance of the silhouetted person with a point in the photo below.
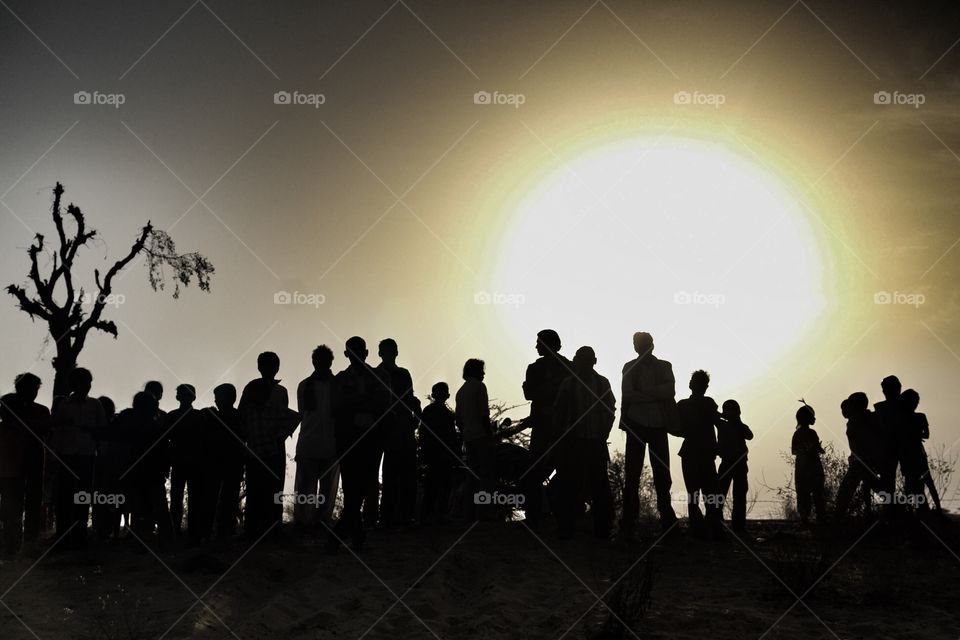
(732, 436)
(698, 454)
(227, 426)
(808, 470)
(146, 476)
(440, 448)
(23, 426)
(399, 502)
(267, 423)
(316, 445)
(584, 414)
(155, 389)
(113, 459)
(76, 425)
(862, 465)
(647, 399)
(189, 447)
(359, 400)
(890, 417)
(540, 387)
(913, 458)
(473, 418)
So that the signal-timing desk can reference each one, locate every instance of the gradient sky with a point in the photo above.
(394, 199)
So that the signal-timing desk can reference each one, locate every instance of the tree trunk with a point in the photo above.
(63, 364)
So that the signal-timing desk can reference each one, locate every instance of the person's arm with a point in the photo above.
(484, 408)
(747, 434)
(528, 384)
(561, 406)
(628, 391)
(794, 449)
(610, 405)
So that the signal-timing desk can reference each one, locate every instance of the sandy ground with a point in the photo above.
(499, 580)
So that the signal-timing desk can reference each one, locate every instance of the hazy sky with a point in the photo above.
(400, 199)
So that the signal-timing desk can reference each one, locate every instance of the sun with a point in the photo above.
(681, 237)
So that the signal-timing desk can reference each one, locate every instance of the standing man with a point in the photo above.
(23, 426)
(268, 422)
(316, 445)
(698, 455)
(584, 424)
(473, 418)
(890, 416)
(540, 387)
(359, 400)
(649, 408)
(399, 503)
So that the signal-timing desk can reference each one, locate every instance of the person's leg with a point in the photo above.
(713, 501)
(11, 513)
(305, 484)
(660, 463)
(84, 467)
(431, 489)
(229, 497)
(353, 494)
(278, 464)
(740, 488)
(408, 479)
(803, 498)
(725, 476)
(178, 482)
(632, 470)
(66, 485)
(372, 460)
(33, 499)
(848, 486)
(330, 485)
(692, 483)
(566, 482)
(598, 482)
(542, 464)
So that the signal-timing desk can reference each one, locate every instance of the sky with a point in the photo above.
(458, 176)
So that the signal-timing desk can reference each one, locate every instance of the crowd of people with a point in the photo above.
(400, 464)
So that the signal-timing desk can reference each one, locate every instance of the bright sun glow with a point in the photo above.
(677, 236)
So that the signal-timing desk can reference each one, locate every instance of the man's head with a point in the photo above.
(440, 392)
(731, 410)
(858, 403)
(186, 394)
(27, 386)
(584, 359)
(356, 350)
(911, 400)
(322, 358)
(145, 403)
(224, 396)
(387, 350)
(548, 342)
(473, 368)
(81, 380)
(268, 364)
(642, 343)
(699, 381)
(155, 389)
(109, 406)
(891, 387)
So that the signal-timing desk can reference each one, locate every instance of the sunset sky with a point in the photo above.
(748, 183)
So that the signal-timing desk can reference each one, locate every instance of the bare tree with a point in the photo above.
(60, 301)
